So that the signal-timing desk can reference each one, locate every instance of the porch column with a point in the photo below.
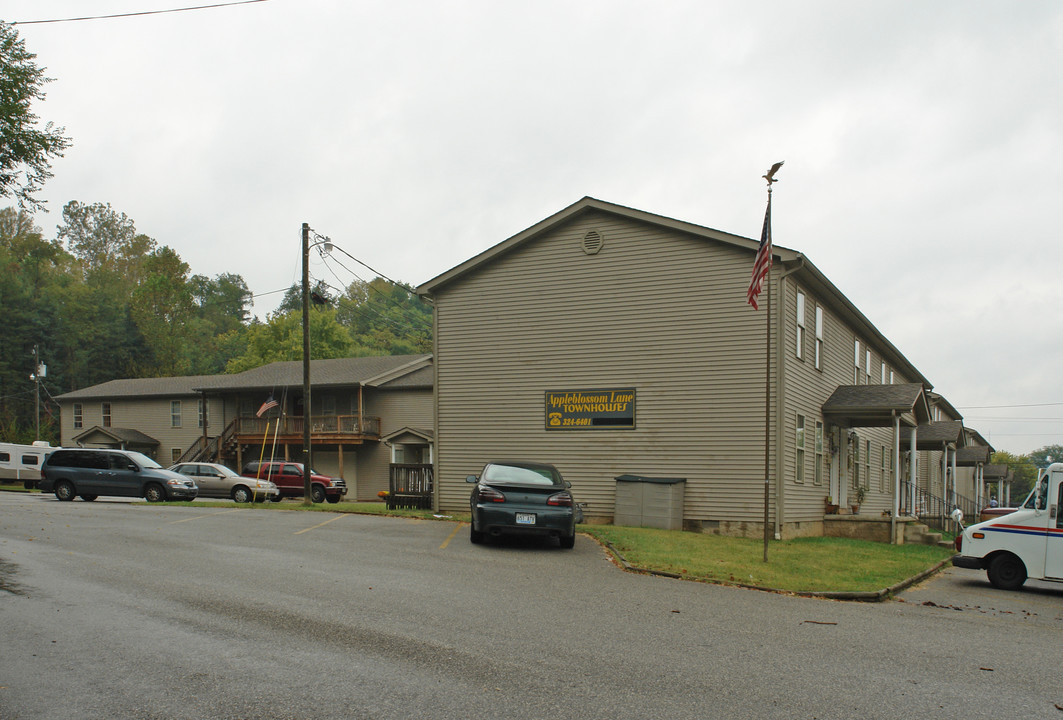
(953, 499)
(913, 470)
(896, 477)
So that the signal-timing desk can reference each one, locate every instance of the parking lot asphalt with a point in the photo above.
(143, 611)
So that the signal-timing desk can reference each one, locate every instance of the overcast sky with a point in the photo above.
(920, 141)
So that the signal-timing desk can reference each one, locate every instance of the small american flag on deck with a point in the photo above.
(267, 406)
(762, 263)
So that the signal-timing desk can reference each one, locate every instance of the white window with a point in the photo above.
(79, 417)
(855, 460)
(800, 349)
(799, 443)
(818, 472)
(203, 419)
(105, 414)
(867, 367)
(819, 338)
(175, 455)
(883, 475)
(867, 465)
(175, 413)
(882, 379)
(856, 362)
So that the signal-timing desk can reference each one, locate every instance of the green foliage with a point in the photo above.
(1025, 467)
(103, 301)
(25, 149)
(281, 338)
(386, 318)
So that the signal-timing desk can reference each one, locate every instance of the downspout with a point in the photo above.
(780, 394)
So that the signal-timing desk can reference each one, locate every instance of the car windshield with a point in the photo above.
(517, 474)
(143, 460)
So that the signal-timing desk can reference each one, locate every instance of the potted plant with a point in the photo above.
(829, 507)
(860, 492)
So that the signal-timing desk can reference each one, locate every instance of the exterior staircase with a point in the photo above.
(916, 533)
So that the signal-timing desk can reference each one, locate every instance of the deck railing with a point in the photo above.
(410, 486)
(319, 425)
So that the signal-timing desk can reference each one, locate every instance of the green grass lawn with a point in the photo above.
(802, 565)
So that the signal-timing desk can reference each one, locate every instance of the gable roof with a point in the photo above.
(877, 405)
(791, 261)
(336, 372)
(125, 436)
(933, 436)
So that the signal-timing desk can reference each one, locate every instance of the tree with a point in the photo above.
(105, 240)
(386, 318)
(25, 150)
(281, 338)
(1024, 473)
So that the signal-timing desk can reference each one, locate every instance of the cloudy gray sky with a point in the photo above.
(920, 141)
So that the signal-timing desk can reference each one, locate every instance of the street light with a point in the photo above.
(327, 247)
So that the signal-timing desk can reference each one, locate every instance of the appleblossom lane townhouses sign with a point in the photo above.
(612, 409)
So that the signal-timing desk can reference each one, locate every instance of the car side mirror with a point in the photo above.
(471, 479)
(568, 484)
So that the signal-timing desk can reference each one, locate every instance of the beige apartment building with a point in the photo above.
(615, 343)
(370, 418)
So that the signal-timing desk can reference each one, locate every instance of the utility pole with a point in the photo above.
(306, 365)
(39, 371)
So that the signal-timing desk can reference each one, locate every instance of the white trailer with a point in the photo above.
(23, 462)
(1027, 543)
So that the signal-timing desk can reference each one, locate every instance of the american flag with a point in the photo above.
(267, 406)
(762, 263)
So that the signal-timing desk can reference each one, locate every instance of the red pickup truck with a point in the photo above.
(288, 477)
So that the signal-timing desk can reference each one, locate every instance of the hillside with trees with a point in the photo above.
(102, 301)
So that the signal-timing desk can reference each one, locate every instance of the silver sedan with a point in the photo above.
(218, 481)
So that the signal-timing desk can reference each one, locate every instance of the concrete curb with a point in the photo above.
(876, 596)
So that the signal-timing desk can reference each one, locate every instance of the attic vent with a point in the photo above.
(592, 242)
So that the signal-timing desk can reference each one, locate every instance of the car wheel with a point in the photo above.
(154, 493)
(317, 494)
(241, 494)
(568, 542)
(276, 498)
(476, 537)
(64, 490)
(333, 498)
(1006, 572)
(89, 498)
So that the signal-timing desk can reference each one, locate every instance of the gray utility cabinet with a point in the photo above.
(654, 502)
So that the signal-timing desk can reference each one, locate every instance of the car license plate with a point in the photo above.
(525, 518)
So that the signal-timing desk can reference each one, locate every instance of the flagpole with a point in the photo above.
(767, 392)
(761, 280)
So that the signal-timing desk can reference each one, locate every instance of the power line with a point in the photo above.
(1001, 407)
(135, 14)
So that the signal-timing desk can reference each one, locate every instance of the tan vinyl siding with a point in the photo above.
(150, 416)
(806, 390)
(409, 408)
(656, 310)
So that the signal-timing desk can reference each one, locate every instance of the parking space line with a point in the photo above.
(451, 536)
(315, 527)
(200, 517)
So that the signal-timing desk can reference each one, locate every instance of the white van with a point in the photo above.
(1027, 543)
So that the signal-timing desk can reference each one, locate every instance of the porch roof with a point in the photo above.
(972, 455)
(125, 436)
(877, 405)
(935, 435)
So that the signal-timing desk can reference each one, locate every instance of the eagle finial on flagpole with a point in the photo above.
(770, 177)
